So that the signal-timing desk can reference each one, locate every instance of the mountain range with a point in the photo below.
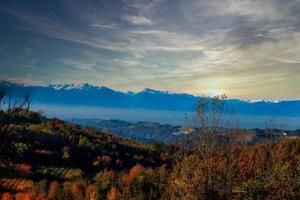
(89, 95)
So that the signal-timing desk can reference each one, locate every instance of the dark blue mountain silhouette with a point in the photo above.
(89, 95)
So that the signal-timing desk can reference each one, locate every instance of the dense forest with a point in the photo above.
(43, 158)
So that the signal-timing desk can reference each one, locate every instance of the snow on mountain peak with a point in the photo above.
(148, 90)
(153, 91)
(85, 85)
(261, 101)
(80, 86)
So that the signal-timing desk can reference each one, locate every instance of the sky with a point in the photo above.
(248, 49)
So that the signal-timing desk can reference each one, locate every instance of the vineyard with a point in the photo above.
(17, 184)
(60, 173)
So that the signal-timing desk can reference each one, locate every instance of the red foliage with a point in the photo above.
(126, 180)
(55, 122)
(53, 188)
(72, 126)
(41, 196)
(90, 132)
(77, 190)
(253, 161)
(112, 174)
(164, 156)
(25, 168)
(19, 196)
(113, 194)
(135, 170)
(28, 196)
(6, 196)
(105, 159)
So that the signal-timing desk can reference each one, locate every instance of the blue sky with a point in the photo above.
(246, 49)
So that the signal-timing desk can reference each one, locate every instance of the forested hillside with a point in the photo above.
(147, 132)
(44, 158)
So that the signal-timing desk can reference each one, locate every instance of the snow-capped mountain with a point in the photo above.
(81, 86)
(88, 95)
(262, 100)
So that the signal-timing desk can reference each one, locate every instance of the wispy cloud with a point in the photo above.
(48, 27)
(82, 65)
(138, 20)
(104, 26)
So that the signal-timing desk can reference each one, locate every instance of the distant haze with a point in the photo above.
(166, 117)
(88, 101)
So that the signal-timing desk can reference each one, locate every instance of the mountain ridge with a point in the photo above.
(100, 96)
(86, 85)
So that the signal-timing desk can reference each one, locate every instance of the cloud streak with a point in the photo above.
(138, 20)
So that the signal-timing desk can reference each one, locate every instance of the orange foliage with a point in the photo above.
(6, 196)
(126, 180)
(111, 174)
(113, 194)
(72, 126)
(19, 196)
(253, 161)
(28, 196)
(105, 159)
(56, 122)
(53, 188)
(41, 196)
(25, 168)
(17, 184)
(91, 193)
(164, 156)
(77, 190)
(135, 170)
(90, 132)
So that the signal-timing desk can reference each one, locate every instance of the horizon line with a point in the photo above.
(255, 100)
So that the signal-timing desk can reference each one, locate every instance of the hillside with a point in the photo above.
(150, 132)
(35, 151)
(44, 158)
(147, 132)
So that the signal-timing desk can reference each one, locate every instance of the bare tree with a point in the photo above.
(27, 99)
(25, 102)
(215, 124)
(195, 174)
(215, 120)
(273, 129)
(9, 103)
(18, 103)
(2, 95)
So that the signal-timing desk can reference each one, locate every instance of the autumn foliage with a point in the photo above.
(50, 159)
